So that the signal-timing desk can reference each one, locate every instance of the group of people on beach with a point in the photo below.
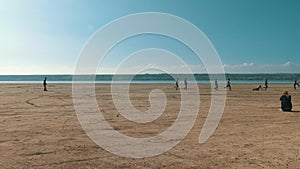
(216, 84)
(259, 87)
(286, 99)
(228, 86)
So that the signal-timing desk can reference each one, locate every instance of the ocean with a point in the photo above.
(279, 78)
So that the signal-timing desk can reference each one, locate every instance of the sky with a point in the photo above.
(46, 37)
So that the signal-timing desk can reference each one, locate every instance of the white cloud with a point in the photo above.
(287, 67)
(288, 64)
(239, 66)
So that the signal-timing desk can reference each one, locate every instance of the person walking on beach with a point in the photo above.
(296, 83)
(185, 84)
(228, 84)
(177, 84)
(216, 85)
(45, 84)
(286, 102)
(266, 84)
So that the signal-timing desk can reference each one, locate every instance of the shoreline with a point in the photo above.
(236, 82)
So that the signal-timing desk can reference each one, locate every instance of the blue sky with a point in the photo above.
(45, 37)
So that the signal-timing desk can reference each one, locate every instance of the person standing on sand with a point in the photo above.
(185, 84)
(45, 84)
(286, 102)
(176, 84)
(216, 85)
(266, 84)
(228, 84)
(296, 83)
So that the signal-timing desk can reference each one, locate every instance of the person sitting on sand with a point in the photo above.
(286, 102)
(296, 83)
(258, 88)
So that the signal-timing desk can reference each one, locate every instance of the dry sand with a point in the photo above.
(40, 130)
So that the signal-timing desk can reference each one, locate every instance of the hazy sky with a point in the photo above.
(45, 37)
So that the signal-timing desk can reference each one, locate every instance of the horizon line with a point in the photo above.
(70, 74)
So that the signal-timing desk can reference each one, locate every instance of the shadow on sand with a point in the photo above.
(293, 111)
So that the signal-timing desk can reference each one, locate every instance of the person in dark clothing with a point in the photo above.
(216, 85)
(257, 88)
(45, 84)
(177, 84)
(286, 102)
(296, 83)
(228, 84)
(266, 84)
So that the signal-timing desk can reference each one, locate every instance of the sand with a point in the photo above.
(41, 130)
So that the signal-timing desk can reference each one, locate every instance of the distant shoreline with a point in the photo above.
(275, 78)
(237, 82)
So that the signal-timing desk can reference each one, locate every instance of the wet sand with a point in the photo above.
(41, 130)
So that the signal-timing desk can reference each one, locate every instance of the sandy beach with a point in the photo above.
(41, 130)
